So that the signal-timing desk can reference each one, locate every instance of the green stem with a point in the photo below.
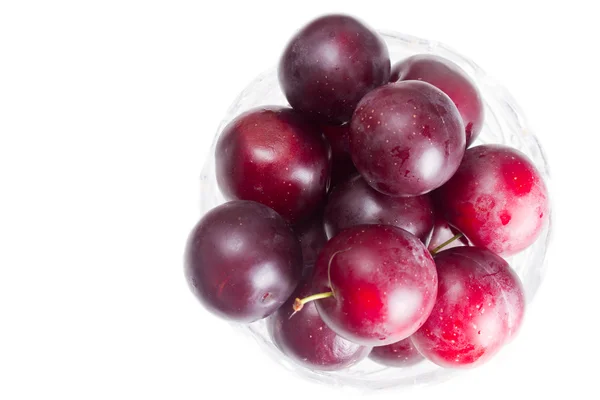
(299, 303)
(446, 243)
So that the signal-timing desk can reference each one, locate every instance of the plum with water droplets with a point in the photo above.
(381, 282)
(450, 79)
(497, 198)
(275, 157)
(406, 138)
(330, 64)
(306, 339)
(479, 308)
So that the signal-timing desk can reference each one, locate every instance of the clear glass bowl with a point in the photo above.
(504, 123)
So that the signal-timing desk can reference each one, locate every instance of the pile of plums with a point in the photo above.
(360, 222)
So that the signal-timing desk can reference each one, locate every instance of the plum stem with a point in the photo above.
(446, 243)
(299, 303)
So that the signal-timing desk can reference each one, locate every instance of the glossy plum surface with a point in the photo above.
(307, 340)
(497, 198)
(442, 231)
(312, 237)
(242, 261)
(274, 157)
(342, 167)
(330, 64)
(406, 138)
(399, 354)
(479, 307)
(450, 79)
(354, 202)
(383, 281)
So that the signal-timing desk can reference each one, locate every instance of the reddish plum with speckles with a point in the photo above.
(497, 198)
(383, 281)
(242, 261)
(273, 156)
(479, 308)
(356, 203)
(450, 79)
(307, 340)
(406, 138)
(342, 167)
(443, 232)
(400, 354)
(330, 64)
(312, 236)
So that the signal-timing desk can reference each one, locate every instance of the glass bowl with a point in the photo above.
(504, 123)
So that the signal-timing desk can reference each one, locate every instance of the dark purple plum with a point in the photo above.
(406, 138)
(400, 354)
(307, 340)
(274, 157)
(330, 64)
(356, 203)
(497, 198)
(450, 79)
(312, 236)
(342, 167)
(377, 284)
(242, 261)
(479, 308)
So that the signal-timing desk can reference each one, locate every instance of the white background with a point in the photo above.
(107, 109)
